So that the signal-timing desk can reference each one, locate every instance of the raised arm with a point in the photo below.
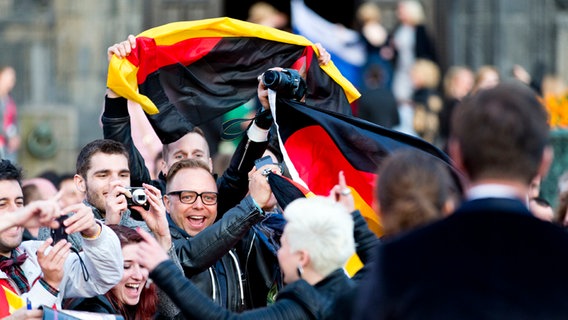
(116, 119)
(298, 301)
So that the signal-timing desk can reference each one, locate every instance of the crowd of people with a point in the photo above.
(469, 240)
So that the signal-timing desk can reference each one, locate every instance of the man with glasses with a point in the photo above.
(210, 252)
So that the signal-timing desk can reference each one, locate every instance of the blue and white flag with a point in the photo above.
(345, 45)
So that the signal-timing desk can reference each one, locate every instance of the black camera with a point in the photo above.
(138, 198)
(59, 233)
(287, 82)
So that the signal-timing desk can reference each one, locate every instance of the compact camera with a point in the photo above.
(59, 233)
(287, 82)
(138, 198)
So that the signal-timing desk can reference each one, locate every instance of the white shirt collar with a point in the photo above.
(491, 190)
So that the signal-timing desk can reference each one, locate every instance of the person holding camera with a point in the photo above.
(214, 254)
(314, 249)
(101, 170)
(45, 272)
(103, 176)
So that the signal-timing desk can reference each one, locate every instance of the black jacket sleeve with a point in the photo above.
(298, 300)
(207, 247)
(116, 126)
(366, 241)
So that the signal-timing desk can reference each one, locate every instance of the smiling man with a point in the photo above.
(102, 170)
(211, 253)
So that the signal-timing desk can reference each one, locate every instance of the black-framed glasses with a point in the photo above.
(189, 197)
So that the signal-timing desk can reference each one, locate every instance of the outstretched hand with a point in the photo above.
(36, 214)
(52, 260)
(121, 50)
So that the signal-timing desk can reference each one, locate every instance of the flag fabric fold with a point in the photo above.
(184, 74)
(286, 190)
(316, 144)
(9, 302)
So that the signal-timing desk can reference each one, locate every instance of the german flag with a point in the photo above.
(9, 302)
(184, 74)
(317, 144)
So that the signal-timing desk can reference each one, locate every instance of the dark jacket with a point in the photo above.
(298, 300)
(491, 259)
(210, 261)
(98, 304)
(424, 47)
(366, 243)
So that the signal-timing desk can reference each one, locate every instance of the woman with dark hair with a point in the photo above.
(133, 297)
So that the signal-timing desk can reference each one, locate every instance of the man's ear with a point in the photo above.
(80, 183)
(165, 168)
(167, 202)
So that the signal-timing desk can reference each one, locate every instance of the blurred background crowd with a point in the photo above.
(418, 58)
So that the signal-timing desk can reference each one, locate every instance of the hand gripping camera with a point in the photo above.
(59, 233)
(287, 83)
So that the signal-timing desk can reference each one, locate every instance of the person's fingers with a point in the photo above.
(132, 40)
(54, 224)
(62, 254)
(76, 207)
(110, 53)
(342, 182)
(44, 246)
(122, 49)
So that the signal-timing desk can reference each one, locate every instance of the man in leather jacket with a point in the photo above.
(206, 250)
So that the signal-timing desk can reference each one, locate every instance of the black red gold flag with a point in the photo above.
(184, 74)
(317, 144)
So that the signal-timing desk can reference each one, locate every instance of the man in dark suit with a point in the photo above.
(491, 258)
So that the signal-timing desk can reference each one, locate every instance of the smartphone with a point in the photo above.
(259, 163)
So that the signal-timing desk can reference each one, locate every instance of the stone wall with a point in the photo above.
(58, 48)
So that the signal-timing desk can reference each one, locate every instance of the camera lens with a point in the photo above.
(139, 197)
(271, 78)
